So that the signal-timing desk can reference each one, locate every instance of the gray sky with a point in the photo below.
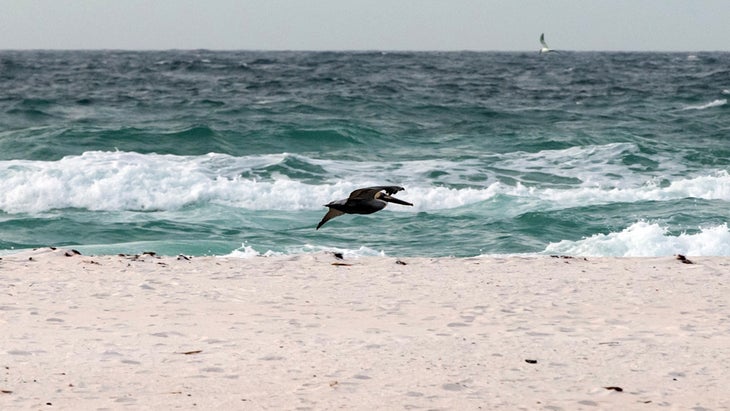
(514, 25)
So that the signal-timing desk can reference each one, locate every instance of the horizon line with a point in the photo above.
(359, 50)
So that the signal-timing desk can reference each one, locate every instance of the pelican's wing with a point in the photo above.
(542, 41)
(330, 215)
(369, 193)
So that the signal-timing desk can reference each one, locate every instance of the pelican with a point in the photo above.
(545, 48)
(363, 201)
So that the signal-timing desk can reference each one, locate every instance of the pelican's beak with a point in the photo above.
(390, 199)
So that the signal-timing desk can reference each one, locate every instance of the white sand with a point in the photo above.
(300, 333)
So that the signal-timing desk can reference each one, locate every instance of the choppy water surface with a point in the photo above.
(201, 152)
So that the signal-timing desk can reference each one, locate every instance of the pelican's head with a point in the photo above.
(336, 203)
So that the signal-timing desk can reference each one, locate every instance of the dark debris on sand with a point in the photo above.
(684, 259)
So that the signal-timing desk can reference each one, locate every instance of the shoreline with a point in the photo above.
(316, 332)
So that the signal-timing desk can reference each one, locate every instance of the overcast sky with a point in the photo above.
(511, 25)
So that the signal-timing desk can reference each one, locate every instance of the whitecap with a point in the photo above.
(114, 181)
(644, 239)
(127, 181)
(714, 103)
(715, 186)
(246, 251)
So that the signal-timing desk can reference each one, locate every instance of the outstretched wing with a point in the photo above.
(542, 41)
(369, 193)
(330, 215)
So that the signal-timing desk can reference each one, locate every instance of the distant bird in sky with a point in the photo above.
(545, 48)
(363, 201)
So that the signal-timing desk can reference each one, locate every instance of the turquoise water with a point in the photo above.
(235, 153)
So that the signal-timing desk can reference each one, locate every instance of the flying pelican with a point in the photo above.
(545, 48)
(363, 201)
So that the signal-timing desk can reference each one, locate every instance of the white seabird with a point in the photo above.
(545, 48)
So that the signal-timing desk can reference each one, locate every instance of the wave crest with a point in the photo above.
(714, 103)
(643, 239)
(114, 181)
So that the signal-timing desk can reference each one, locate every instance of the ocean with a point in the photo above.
(235, 153)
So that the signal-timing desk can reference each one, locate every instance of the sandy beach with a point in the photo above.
(314, 332)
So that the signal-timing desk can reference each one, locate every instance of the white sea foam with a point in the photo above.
(104, 181)
(644, 239)
(715, 186)
(114, 181)
(714, 103)
(591, 164)
(246, 251)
